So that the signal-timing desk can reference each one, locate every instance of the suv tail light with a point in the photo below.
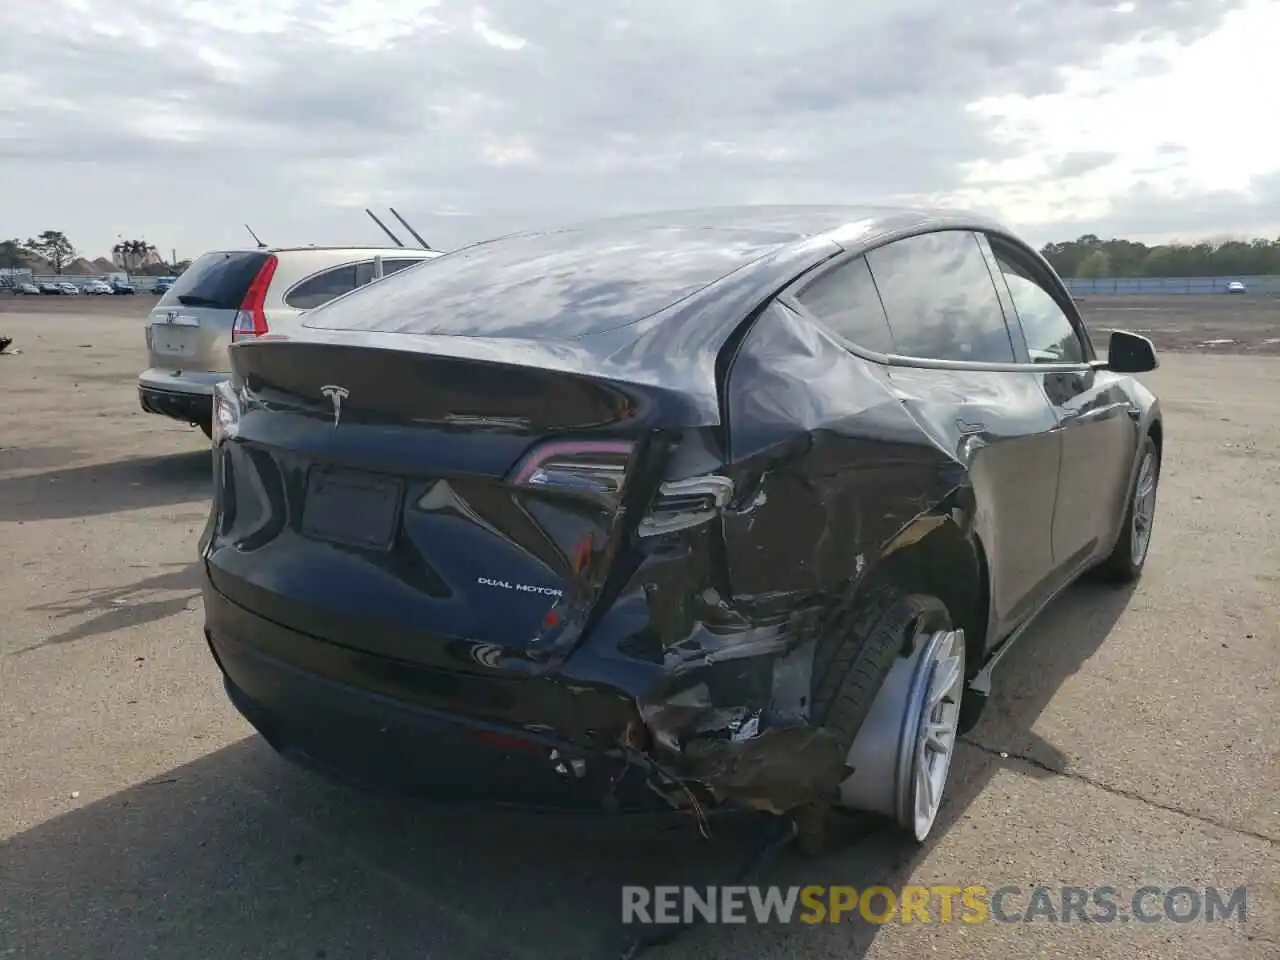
(251, 318)
(599, 469)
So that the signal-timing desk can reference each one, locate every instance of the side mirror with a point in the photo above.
(1130, 353)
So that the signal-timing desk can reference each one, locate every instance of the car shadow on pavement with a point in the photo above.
(241, 855)
(46, 458)
(115, 608)
(102, 488)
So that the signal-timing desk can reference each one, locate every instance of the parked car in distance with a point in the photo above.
(694, 510)
(1235, 286)
(161, 286)
(227, 295)
(27, 289)
(51, 289)
(120, 288)
(69, 289)
(96, 288)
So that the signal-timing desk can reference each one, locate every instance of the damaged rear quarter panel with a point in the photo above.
(828, 466)
(843, 466)
(840, 463)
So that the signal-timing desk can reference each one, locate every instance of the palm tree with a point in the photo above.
(131, 254)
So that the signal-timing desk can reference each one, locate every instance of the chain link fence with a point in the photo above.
(1157, 286)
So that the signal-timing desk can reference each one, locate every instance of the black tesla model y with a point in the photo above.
(711, 510)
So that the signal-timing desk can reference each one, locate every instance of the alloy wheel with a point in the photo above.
(936, 733)
(1144, 509)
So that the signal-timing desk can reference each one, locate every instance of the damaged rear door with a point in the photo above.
(1097, 423)
(844, 452)
(962, 380)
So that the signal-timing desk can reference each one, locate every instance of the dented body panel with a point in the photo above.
(629, 489)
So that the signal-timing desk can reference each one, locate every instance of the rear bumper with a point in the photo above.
(187, 407)
(181, 381)
(181, 398)
(366, 738)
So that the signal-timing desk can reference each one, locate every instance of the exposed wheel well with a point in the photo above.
(952, 567)
(1156, 432)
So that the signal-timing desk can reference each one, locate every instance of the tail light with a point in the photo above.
(596, 468)
(599, 469)
(686, 503)
(226, 412)
(251, 318)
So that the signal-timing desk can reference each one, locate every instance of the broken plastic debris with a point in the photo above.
(749, 729)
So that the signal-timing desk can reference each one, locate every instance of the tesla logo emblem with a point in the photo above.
(337, 395)
(171, 316)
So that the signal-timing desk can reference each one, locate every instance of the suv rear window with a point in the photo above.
(328, 285)
(217, 280)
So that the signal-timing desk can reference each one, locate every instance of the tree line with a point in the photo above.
(1086, 257)
(1090, 256)
(53, 247)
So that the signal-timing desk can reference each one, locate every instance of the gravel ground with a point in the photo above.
(1200, 323)
(1133, 738)
(83, 306)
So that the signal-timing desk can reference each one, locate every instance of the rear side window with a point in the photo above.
(940, 298)
(216, 280)
(391, 266)
(845, 299)
(325, 286)
(1050, 335)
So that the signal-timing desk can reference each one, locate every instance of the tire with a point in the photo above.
(1125, 563)
(846, 684)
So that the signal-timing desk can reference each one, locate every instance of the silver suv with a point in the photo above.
(229, 295)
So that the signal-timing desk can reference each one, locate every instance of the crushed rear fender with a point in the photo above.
(834, 477)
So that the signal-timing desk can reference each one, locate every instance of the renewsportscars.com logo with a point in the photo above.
(934, 904)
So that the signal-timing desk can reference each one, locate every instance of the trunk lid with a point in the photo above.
(395, 501)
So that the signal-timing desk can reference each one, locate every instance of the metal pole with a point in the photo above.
(425, 245)
(394, 238)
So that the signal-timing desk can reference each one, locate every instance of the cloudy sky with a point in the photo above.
(179, 121)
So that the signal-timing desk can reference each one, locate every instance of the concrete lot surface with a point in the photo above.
(1133, 740)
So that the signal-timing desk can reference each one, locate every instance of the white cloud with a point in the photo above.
(1171, 122)
(181, 121)
(503, 41)
(511, 152)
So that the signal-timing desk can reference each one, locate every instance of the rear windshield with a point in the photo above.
(561, 284)
(217, 280)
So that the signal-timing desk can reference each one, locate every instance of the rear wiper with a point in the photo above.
(191, 300)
